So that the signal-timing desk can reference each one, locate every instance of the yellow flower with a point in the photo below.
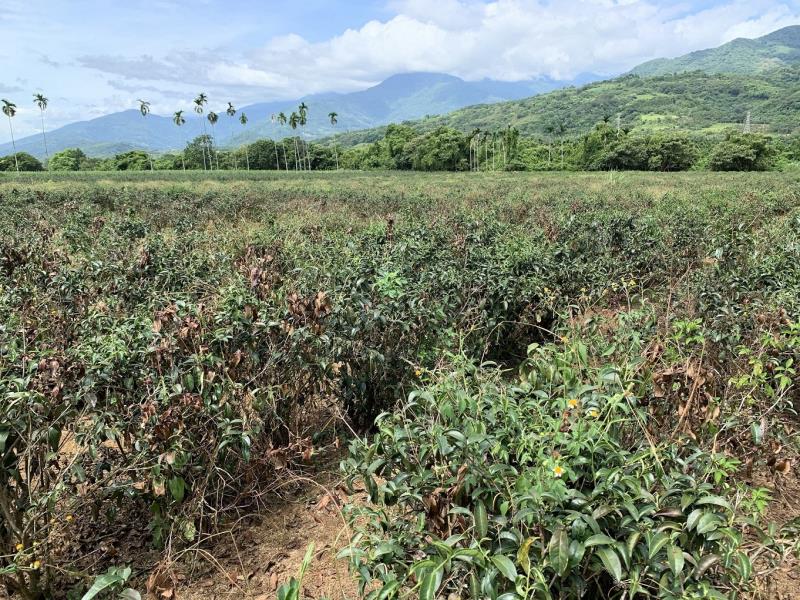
(632, 282)
(593, 412)
(69, 518)
(558, 471)
(19, 547)
(573, 403)
(564, 339)
(35, 565)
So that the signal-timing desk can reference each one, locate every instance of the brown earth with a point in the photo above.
(259, 554)
(782, 583)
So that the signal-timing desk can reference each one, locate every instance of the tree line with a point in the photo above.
(403, 147)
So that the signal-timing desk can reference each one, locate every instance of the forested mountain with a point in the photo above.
(401, 97)
(693, 101)
(743, 56)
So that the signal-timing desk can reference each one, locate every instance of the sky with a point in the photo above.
(94, 57)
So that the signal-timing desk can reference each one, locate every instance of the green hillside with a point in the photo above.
(694, 101)
(743, 56)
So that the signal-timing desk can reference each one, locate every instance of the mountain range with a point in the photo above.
(705, 90)
(693, 101)
(398, 98)
(780, 48)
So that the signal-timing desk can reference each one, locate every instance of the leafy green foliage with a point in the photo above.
(170, 343)
(25, 161)
(780, 48)
(490, 489)
(70, 159)
(742, 153)
(135, 160)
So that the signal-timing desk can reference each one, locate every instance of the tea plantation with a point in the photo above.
(551, 386)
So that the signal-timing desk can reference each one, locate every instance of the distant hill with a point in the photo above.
(743, 56)
(692, 101)
(401, 97)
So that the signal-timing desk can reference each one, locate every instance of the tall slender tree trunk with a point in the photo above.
(206, 147)
(296, 155)
(247, 156)
(202, 146)
(214, 143)
(308, 147)
(44, 137)
(285, 159)
(13, 143)
(336, 154)
(277, 155)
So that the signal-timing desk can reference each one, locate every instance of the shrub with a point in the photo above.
(742, 152)
(547, 487)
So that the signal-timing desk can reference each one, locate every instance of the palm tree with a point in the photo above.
(272, 119)
(243, 121)
(199, 103)
(334, 117)
(144, 108)
(178, 119)
(302, 111)
(294, 121)
(41, 102)
(231, 112)
(282, 122)
(9, 110)
(213, 118)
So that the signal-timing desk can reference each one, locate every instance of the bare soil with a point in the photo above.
(258, 555)
(784, 582)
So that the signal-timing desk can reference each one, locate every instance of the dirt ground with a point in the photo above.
(783, 583)
(261, 554)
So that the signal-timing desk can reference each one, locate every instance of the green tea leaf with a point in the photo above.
(505, 566)
(610, 562)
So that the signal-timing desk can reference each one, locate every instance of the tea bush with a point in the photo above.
(169, 342)
(546, 487)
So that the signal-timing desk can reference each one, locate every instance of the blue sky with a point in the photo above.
(91, 57)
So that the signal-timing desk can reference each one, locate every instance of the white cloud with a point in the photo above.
(510, 40)
(474, 39)
(503, 39)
